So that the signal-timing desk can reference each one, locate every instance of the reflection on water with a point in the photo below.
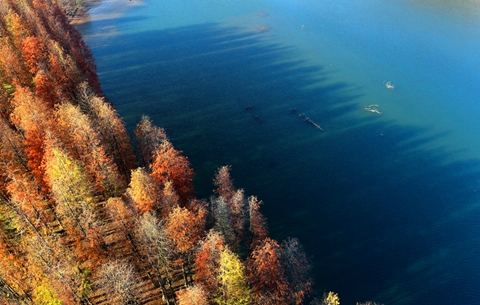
(386, 204)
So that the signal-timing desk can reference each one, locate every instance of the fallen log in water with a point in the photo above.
(309, 121)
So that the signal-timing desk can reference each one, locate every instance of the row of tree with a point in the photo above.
(81, 223)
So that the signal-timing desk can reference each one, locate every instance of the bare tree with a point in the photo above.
(158, 250)
(118, 279)
(297, 268)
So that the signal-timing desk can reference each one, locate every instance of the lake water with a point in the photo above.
(387, 205)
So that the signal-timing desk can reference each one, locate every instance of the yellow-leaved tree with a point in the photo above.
(233, 288)
(43, 295)
(75, 202)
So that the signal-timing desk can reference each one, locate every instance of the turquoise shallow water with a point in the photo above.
(387, 205)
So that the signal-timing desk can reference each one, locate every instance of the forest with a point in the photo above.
(90, 216)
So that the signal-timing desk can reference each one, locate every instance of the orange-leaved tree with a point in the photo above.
(185, 228)
(144, 192)
(33, 51)
(267, 275)
(258, 223)
(33, 117)
(207, 261)
(223, 182)
(170, 165)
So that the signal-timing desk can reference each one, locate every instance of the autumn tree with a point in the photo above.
(170, 198)
(110, 127)
(223, 182)
(122, 216)
(238, 206)
(16, 73)
(118, 279)
(12, 150)
(75, 201)
(45, 88)
(149, 138)
(330, 298)
(15, 284)
(170, 165)
(159, 252)
(234, 288)
(44, 294)
(229, 209)
(84, 143)
(34, 118)
(69, 183)
(52, 265)
(192, 295)
(258, 224)
(221, 214)
(144, 192)
(63, 70)
(297, 270)
(267, 275)
(185, 228)
(33, 51)
(25, 195)
(17, 27)
(207, 262)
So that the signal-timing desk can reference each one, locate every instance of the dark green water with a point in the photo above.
(386, 204)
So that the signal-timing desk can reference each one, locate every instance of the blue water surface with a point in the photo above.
(387, 205)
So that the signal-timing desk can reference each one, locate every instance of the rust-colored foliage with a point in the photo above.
(66, 212)
(170, 165)
(185, 228)
(45, 88)
(24, 193)
(207, 261)
(224, 183)
(33, 118)
(33, 51)
(266, 274)
(63, 69)
(258, 223)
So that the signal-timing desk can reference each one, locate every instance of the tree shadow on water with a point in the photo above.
(384, 217)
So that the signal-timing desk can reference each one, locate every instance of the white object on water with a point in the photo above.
(389, 85)
(373, 108)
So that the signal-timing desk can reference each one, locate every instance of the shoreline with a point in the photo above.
(82, 13)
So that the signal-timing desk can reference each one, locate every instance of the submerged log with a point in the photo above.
(309, 121)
